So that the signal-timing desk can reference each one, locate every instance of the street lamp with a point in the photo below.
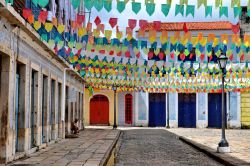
(114, 88)
(223, 146)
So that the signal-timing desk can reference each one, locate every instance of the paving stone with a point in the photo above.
(149, 147)
(73, 151)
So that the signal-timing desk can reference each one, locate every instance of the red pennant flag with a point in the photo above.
(150, 55)
(185, 29)
(157, 25)
(172, 56)
(132, 23)
(97, 21)
(242, 57)
(231, 57)
(138, 55)
(26, 13)
(182, 56)
(127, 54)
(161, 55)
(80, 19)
(113, 22)
(202, 57)
(143, 24)
(43, 16)
(236, 28)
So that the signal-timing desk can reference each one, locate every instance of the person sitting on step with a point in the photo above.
(74, 128)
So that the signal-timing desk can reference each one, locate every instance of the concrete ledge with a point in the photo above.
(109, 151)
(225, 159)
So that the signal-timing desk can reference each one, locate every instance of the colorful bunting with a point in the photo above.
(190, 10)
(120, 6)
(136, 7)
(150, 8)
(179, 9)
(165, 9)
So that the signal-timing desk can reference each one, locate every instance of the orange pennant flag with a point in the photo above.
(210, 37)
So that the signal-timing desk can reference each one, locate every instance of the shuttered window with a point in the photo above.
(128, 108)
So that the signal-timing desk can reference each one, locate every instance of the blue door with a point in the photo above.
(214, 110)
(157, 109)
(187, 110)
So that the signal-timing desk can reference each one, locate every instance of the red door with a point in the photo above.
(99, 110)
(128, 108)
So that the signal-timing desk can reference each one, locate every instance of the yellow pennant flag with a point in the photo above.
(119, 35)
(164, 37)
(82, 31)
(129, 37)
(216, 42)
(184, 40)
(152, 36)
(48, 26)
(60, 28)
(203, 41)
(108, 34)
(224, 38)
(37, 25)
(96, 32)
(173, 40)
(194, 41)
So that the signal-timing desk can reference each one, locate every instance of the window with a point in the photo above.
(128, 108)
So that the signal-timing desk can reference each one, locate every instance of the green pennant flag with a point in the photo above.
(108, 5)
(248, 12)
(201, 2)
(9, 1)
(218, 3)
(190, 10)
(235, 3)
(35, 2)
(43, 3)
(208, 10)
(75, 3)
(120, 6)
(88, 4)
(44, 37)
(237, 11)
(165, 9)
(98, 4)
(179, 9)
(150, 8)
(224, 11)
(136, 7)
(169, 2)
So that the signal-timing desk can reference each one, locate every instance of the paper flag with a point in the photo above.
(143, 24)
(89, 4)
(132, 23)
(208, 11)
(37, 25)
(179, 9)
(157, 25)
(224, 11)
(81, 32)
(190, 10)
(150, 8)
(108, 5)
(98, 5)
(201, 2)
(43, 3)
(113, 22)
(31, 19)
(136, 7)
(43, 16)
(97, 20)
(237, 11)
(165, 9)
(26, 13)
(48, 26)
(75, 3)
(108, 34)
(120, 6)
(35, 2)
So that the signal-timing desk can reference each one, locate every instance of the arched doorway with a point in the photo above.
(99, 110)
(128, 108)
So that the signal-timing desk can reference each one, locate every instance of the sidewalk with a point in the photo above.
(207, 140)
(92, 148)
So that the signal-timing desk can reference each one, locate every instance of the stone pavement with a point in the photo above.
(149, 147)
(208, 139)
(91, 149)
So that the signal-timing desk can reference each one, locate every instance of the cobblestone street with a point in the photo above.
(90, 149)
(142, 147)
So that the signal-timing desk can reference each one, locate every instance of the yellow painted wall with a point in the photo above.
(245, 109)
(110, 95)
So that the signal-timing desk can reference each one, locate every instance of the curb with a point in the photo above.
(222, 158)
(107, 155)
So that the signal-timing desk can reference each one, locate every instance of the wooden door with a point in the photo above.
(99, 110)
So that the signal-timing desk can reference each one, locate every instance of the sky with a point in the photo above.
(159, 16)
